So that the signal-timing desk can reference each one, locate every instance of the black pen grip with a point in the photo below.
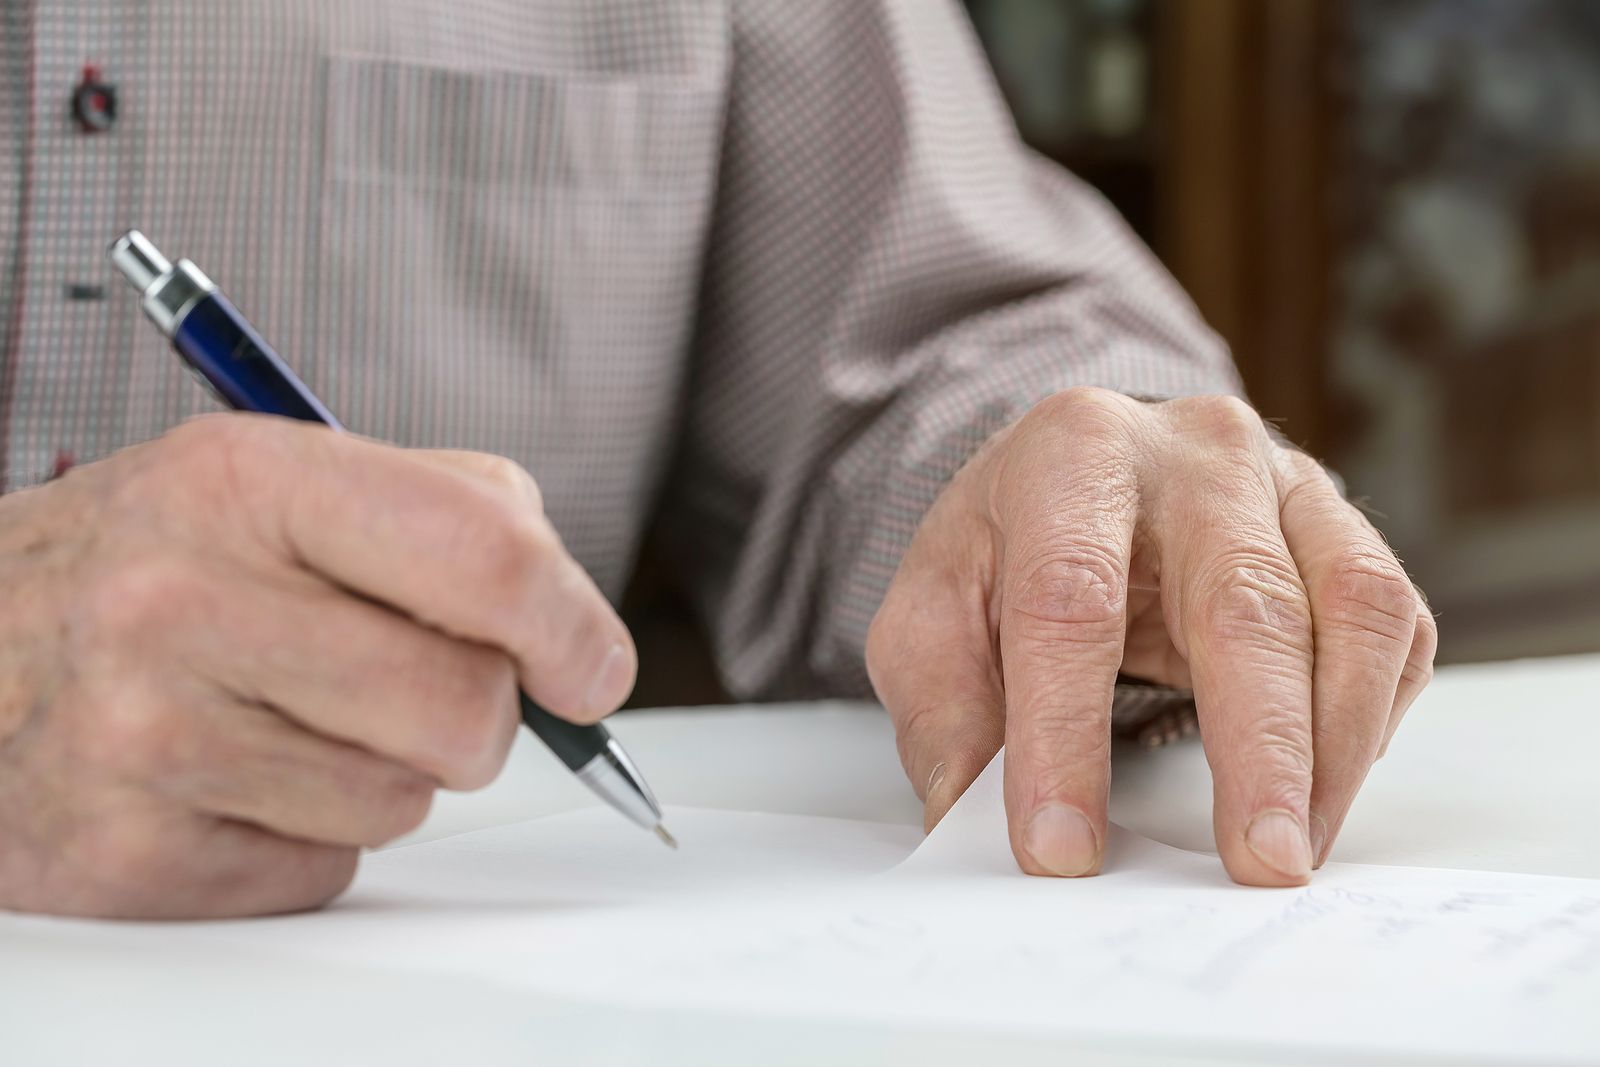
(573, 744)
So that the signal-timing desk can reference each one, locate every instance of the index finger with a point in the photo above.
(1063, 620)
(435, 538)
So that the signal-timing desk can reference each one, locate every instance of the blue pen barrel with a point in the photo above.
(221, 347)
(246, 373)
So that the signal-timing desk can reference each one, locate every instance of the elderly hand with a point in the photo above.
(1175, 542)
(232, 657)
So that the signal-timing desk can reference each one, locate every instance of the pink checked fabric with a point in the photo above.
(771, 268)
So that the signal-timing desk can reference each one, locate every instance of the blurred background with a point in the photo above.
(1391, 210)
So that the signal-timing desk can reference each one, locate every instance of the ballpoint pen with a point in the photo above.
(237, 366)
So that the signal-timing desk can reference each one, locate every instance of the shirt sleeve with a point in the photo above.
(890, 278)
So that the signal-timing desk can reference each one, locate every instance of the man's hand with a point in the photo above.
(232, 657)
(1174, 542)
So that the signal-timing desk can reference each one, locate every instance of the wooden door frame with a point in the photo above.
(1245, 134)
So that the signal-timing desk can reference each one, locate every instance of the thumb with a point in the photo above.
(934, 671)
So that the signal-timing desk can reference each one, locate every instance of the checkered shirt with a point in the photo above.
(771, 269)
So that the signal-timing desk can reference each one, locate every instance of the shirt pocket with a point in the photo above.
(503, 251)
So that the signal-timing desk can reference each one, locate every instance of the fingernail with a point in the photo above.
(612, 682)
(1061, 841)
(1277, 840)
(1319, 837)
(935, 780)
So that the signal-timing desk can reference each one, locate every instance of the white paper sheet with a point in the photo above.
(785, 916)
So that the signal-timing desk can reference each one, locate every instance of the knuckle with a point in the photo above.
(1256, 601)
(224, 449)
(1426, 643)
(136, 733)
(1305, 485)
(927, 656)
(1369, 592)
(1089, 411)
(1060, 754)
(1045, 738)
(1300, 467)
(134, 600)
(1417, 674)
(206, 435)
(1080, 587)
(1222, 419)
(1282, 747)
(513, 478)
(217, 469)
(511, 551)
(1274, 748)
(1424, 646)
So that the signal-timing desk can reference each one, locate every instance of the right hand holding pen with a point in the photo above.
(232, 657)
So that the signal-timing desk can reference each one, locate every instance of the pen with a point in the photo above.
(237, 366)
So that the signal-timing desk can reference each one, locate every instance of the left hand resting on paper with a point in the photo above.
(1174, 542)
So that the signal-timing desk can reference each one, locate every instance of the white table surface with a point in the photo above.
(1493, 770)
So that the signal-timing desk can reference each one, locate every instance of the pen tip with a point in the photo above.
(666, 838)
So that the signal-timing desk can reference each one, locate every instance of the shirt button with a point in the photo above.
(94, 102)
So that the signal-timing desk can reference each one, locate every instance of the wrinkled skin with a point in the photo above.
(234, 656)
(1176, 542)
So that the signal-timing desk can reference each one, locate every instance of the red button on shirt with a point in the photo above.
(94, 103)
